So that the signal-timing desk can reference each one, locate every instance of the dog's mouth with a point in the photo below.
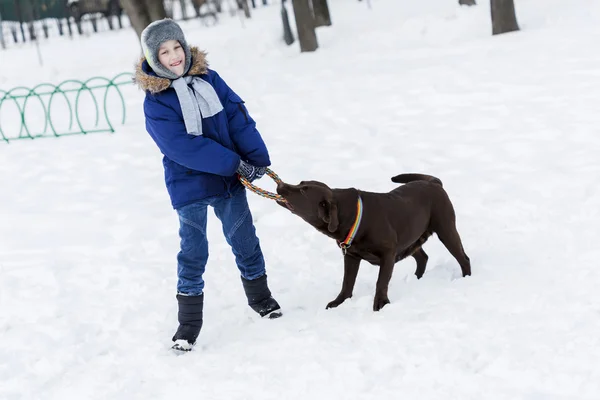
(285, 204)
(282, 201)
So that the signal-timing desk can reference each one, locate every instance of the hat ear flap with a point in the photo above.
(188, 57)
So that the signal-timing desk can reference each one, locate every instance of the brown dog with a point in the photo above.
(380, 228)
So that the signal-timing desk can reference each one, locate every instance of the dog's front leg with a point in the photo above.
(351, 265)
(383, 280)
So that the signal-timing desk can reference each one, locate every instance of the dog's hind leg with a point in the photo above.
(450, 238)
(421, 258)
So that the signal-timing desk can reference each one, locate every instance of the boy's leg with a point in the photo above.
(193, 253)
(240, 233)
(191, 263)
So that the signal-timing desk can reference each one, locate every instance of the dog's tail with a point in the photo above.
(406, 178)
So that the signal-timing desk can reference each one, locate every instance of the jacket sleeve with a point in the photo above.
(242, 128)
(198, 153)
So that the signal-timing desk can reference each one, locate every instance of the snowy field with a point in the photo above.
(509, 123)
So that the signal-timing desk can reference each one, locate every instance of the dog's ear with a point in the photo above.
(333, 216)
(328, 212)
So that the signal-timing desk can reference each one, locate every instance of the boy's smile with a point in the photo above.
(172, 56)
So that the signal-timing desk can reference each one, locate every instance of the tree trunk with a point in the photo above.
(243, 5)
(197, 5)
(467, 2)
(138, 15)
(288, 36)
(321, 10)
(182, 4)
(142, 12)
(504, 18)
(2, 42)
(305, 26)
(156, 9)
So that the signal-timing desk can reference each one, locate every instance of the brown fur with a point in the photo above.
(394, 225)
(155, 84)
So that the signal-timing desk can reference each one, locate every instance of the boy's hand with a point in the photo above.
(250, 172)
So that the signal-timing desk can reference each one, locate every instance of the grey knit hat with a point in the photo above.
(156, 34)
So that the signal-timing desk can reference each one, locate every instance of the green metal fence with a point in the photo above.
(69, 108)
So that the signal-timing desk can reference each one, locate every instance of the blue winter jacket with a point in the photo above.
(199, 166)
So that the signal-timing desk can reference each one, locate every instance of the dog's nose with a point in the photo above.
(282, 188)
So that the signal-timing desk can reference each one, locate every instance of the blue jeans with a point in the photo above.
(233, 212)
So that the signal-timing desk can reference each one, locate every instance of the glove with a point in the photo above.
(250, 172)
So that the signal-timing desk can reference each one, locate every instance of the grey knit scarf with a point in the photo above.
(198, 100)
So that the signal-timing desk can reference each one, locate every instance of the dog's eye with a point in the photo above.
(323, 204)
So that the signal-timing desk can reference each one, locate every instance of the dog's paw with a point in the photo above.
(335, 303)
(380, 302)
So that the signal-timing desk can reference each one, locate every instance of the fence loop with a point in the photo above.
(71, 91)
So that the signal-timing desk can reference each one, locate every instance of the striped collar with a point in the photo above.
(348, 241)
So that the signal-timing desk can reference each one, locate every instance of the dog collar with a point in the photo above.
(350, 237)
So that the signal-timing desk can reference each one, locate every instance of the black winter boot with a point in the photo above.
(259, 297)
(190, 321)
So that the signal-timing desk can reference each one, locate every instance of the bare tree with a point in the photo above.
(321, 10)
(2, 43)
(467, 2)
(305, 25)
(243, 5)
(183, 5)
(142, 12)
(504, 18)
(156, 9)
(288, 36)
(212, 6)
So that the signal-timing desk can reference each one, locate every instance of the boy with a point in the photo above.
(207, 137)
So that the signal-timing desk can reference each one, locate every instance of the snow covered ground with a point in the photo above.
(509, 123)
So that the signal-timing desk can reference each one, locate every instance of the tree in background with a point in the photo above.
(504, 18)
(305, 25)
(321, 11)
(142, 12)
(183, 5)
(243, 5)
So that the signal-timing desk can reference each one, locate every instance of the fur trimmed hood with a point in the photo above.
(155, 84)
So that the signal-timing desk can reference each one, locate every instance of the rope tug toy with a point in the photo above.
(262, 192)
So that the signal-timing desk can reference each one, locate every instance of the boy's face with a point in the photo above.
(172, 56)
